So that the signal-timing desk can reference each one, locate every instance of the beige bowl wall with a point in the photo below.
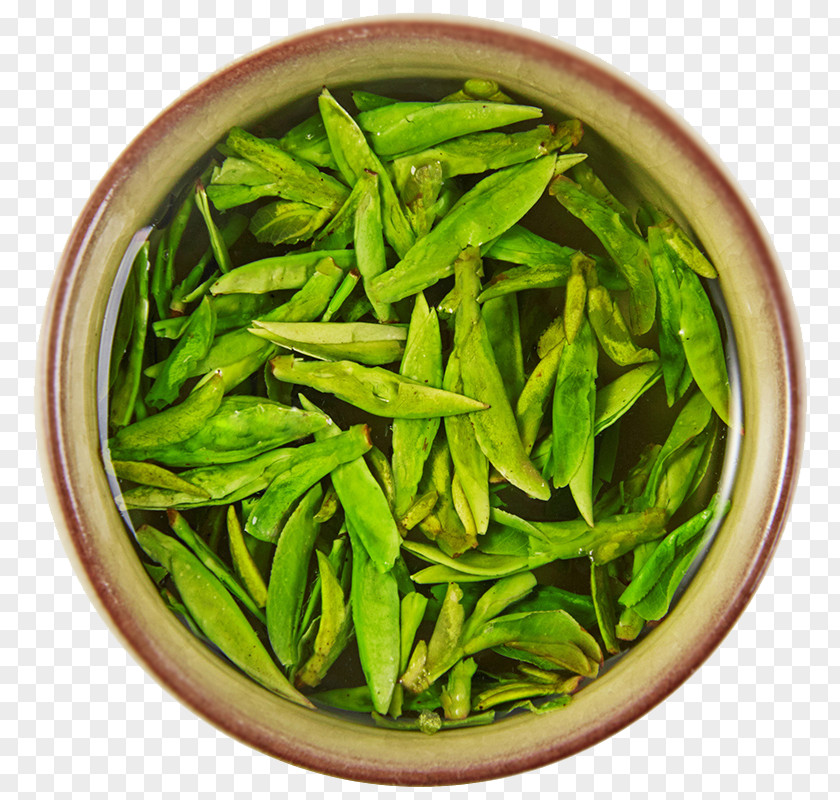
(657, 151)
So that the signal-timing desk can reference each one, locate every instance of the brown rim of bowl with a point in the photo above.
(463, 32)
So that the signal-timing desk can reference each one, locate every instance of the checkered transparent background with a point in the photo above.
(80, 79)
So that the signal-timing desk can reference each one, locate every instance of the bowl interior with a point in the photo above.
(644, 146)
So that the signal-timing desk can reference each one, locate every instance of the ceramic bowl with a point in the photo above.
(644, 143)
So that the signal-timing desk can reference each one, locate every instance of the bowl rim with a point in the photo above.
(65, 499)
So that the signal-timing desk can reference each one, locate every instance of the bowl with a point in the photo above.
(641, 141)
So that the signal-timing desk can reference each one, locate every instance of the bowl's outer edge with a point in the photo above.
(55, 363)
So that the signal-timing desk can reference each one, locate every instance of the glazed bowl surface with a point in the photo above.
(645, 145)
